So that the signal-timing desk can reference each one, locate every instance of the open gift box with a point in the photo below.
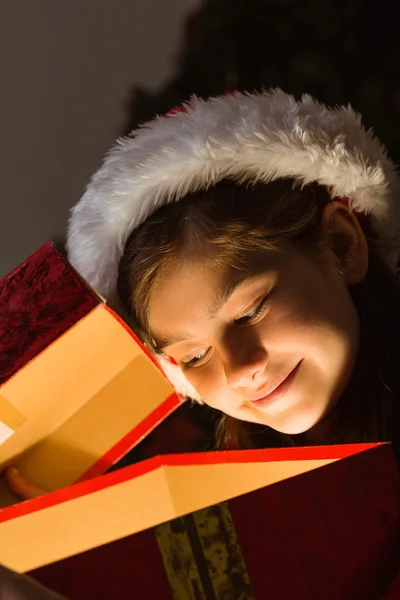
(78, 390)
(290, 523)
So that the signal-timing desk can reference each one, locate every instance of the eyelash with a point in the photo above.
(253, 315)
(248, 319)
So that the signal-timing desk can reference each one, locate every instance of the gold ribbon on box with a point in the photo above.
(202, 556)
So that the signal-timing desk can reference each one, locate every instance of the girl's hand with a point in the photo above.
(21, 487)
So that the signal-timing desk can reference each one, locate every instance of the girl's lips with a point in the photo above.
(279, 390)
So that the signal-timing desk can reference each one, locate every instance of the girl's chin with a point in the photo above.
(307, 424)
(316, 431)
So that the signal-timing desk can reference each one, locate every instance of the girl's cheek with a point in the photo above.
(208, 385)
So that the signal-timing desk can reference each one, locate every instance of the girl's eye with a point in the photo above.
(253, 315)
(194, 361)
(250, 318)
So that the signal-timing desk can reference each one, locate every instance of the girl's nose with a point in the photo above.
(242, 366)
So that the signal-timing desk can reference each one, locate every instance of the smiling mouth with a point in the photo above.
(278, 388)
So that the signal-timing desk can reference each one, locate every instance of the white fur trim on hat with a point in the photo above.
(258, 137)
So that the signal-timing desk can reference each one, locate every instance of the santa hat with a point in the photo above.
(257, 137)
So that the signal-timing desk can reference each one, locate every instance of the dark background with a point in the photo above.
(339, 52)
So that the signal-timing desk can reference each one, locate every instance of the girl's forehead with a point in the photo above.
(225, 264)
(214, 275)
(206, 286)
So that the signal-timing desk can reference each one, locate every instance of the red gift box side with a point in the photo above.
(341, 527)
(129, 568)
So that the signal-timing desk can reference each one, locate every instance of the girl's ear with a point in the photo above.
(346, 240)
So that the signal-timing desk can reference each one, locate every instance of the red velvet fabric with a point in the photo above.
(39, 301)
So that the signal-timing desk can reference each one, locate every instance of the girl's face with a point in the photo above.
(276, 346)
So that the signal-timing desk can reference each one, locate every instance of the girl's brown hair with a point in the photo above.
(232, 223)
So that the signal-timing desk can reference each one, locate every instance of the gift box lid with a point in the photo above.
(77, 388)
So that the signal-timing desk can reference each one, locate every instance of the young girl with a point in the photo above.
(254, 243)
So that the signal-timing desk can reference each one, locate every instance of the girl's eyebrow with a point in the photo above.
(222, 298)
(169, 339)
(219, 301)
